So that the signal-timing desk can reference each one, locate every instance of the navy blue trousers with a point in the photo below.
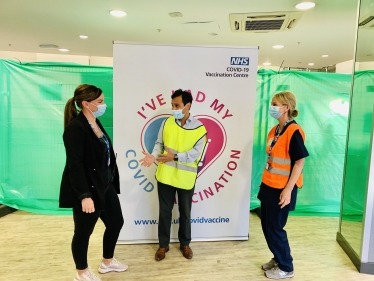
(273, 222)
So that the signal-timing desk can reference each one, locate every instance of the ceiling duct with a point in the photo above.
(264, 22)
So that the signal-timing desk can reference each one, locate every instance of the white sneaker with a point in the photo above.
(277, 273)
(88, 275)
(113, 266)
(269, 265)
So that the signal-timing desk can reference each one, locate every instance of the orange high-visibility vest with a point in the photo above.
(280, 161)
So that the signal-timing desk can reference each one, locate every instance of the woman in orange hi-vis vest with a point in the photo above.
(283, 175)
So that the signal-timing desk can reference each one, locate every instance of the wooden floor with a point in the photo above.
(37, 247)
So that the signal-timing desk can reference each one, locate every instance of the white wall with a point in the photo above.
(20, 56)
(103, 61)
(44, 57)
(273, 67)
(62, 58)
(367, 65)
(347, 66)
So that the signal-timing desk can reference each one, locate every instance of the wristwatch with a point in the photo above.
(175, 157)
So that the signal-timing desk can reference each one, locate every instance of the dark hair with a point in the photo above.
(186, 96)
(83, 92)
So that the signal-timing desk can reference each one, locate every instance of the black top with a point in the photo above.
(106, 171)
(85, 159)
(297, 150)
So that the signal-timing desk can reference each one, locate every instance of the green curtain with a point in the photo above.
(33, 96)
(322, 101)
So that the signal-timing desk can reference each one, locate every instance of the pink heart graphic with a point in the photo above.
(216, 142)
(216, 138)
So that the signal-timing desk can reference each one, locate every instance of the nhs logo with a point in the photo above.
(239, 61)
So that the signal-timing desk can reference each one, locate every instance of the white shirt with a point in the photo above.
(188, 156)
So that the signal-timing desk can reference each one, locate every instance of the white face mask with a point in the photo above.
(178, 114)
(100, 110)
(274, 111)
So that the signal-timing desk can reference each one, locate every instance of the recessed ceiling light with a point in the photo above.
(118, 13)
(325, 56)
(311, 63)
(278, 46)
(305, 5)
(63, 50)
(83, 36)
(266, 63)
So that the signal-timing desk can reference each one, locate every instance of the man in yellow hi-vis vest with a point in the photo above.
(178, 150)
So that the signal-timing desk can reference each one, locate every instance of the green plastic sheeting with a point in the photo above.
(33, 96)
(322, 101)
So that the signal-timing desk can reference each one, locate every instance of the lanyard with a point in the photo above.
(105, 139)
(276, 136)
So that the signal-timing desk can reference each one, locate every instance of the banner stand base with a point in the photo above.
(175, 240)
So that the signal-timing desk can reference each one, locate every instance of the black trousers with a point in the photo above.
(273, 222)
(84, 224)
(166, 195)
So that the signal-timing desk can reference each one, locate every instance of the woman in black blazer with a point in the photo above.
(90, 181)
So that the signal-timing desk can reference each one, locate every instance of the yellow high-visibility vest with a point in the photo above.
(178, 140)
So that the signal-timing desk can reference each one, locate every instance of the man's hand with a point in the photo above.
(163, 158)
(88, 205)
(148, 160)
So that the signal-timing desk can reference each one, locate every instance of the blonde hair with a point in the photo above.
(289, 99)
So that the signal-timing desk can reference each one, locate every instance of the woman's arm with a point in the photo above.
(285, 197)
(75, 141)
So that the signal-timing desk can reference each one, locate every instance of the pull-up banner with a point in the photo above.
(222, 81)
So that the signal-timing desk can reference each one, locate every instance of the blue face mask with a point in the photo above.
(178, 114)
(274, 112)
(100, 110)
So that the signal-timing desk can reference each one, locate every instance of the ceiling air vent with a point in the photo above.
(264, 22)
(48, 46)
(367, 21)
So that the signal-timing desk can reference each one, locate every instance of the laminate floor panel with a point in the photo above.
(37, 247)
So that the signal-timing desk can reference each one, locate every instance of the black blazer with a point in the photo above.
(84, 156)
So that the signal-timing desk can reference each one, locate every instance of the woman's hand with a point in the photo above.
(148, 160)
(88, 205)
(285, 197)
